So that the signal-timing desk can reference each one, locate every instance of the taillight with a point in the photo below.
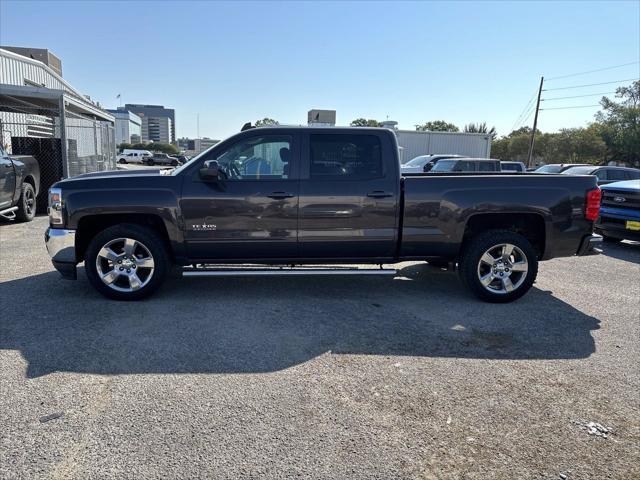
(592, 210)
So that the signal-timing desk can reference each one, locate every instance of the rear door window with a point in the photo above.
(486, 167)
(354, 157)
(465, 166)
(616, 175)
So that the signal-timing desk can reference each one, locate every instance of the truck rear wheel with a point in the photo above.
(26, 204)
(499, 266)
(126, 262)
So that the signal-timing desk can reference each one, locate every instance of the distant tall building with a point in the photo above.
(128, 126)
(41, 54)
(158, 123)
(193, 146)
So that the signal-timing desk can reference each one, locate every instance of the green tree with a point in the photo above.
(437, 126)
(481, 128)
(618, 124)
(266, 121)
(363, 122)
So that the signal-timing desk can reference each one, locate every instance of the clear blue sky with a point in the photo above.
(412, 62)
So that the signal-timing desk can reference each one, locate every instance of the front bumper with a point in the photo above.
(615, 227)
(61, 245)
(590, 245)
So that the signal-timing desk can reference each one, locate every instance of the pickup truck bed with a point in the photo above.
(299, 196)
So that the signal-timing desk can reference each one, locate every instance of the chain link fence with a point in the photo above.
(36, 131)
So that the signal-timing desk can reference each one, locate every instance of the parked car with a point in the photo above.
(134, 156)
(468, 165)
(162, 159)
(606, 174)
(507, 166)
(19, 186)
(558, 167)
(620, 211)
(314, 196)
(424, 163)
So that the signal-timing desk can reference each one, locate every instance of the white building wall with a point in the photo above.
(415, 143)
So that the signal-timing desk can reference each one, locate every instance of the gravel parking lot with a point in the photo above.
(339, 377)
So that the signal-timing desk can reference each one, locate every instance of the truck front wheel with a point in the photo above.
(126, 262)
(498, 266)
(26, 204)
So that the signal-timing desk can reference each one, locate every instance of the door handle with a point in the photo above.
(280, 195)
(379, 194)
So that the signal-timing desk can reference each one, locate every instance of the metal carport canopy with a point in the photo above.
(27, 94)
(16, 96)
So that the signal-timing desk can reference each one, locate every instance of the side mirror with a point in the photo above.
(210, 171)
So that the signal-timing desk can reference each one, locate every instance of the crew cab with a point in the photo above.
(19, 186)
(291, 198)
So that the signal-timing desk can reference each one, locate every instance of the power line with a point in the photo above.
(592, 84)
(576, 96)
(564, 108)
(523, 116)
(525, 109)
(593, 71)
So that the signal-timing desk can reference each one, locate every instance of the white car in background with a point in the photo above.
(424, 163)
(134, 156)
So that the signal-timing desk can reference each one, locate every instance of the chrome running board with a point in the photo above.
(276, 271)
(9, 213)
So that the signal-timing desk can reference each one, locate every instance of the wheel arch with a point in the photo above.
(89, 226)
(530, 225)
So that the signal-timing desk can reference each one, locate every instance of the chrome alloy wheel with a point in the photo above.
(502, 268)
(125, 264)
(30, 201)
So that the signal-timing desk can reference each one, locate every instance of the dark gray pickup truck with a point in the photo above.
(288, 199)
(19, 186)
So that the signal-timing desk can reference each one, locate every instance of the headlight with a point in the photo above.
(55, 206)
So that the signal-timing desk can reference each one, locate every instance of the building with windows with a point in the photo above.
(158, 122)
(128, 126)
(193, 146)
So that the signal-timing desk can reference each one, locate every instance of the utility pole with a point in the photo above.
(535, 125)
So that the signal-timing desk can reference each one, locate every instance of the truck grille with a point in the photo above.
(621, 199)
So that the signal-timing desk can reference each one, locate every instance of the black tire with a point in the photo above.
(149, 239)
(471, 265)
(122, 161)
(27, 204)
(151, 163)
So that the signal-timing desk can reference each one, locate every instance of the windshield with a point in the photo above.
(579, 171)
(549, 169)
(417, 162)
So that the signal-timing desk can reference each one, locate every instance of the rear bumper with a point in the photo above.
(61, 245)
(590, 245)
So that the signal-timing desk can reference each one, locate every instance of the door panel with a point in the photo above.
(252, 211)
(7, 180)
(348, 206)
